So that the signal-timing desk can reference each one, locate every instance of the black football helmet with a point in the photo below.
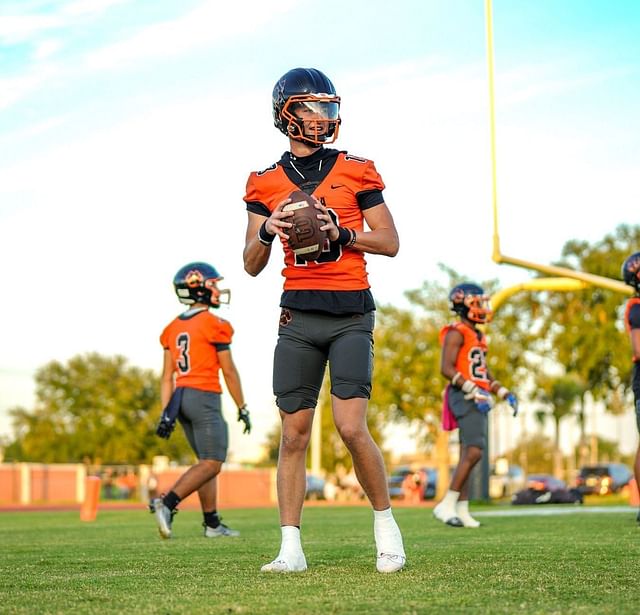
(631, 271)
(306, 91)
(469, 301)
(197, 283)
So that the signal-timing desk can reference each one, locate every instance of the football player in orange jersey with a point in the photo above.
(631, 275)
(196, 347)
(327, 309)
(464, 364)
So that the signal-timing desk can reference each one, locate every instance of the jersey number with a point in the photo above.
(183, 362)
(478, 364)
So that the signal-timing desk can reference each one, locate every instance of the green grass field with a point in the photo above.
(574, 563)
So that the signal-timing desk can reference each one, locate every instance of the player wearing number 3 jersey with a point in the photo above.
(326, 307)
(194, 340)
(196, 348)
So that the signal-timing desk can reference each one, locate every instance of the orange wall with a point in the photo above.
(235, 487)
(10, 483)
(59, 484)
(53, 482)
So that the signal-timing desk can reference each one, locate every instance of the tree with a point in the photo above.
(560, 394)
(584, 328)
(582, 331)
(534, 454)
(93, 409)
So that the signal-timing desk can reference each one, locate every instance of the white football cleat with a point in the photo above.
(163, 517)
(389, 562)
(389, 547)
(221, 531)
(447, 515)
(286, 563)
(462, 512)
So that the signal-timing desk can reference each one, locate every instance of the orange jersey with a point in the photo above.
(193, 341)
(471, 361)
(338, 268)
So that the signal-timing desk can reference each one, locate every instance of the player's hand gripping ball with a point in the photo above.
(305, 237)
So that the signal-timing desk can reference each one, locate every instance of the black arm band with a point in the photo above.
(263, 236)
(344, 236)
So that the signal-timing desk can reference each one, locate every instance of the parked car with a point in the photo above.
(603, 478)
(546, 489)
(545, 482)
(398, 475)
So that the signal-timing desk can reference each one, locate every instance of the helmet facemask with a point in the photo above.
(217, 296)
(478, 308)
(192, 286)
(312, 118)
(470, 302)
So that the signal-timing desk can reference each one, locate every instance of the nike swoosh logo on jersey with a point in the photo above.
(334, 186)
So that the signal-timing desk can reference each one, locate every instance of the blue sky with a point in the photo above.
(127, 131)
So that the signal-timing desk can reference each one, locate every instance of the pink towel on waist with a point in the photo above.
(449, 422)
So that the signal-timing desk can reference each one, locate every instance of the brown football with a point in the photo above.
(305, 237)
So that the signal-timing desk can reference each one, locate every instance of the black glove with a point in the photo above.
(243, 415)
(170, 414)
(165, 427)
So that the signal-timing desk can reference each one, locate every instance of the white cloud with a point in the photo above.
(90, 7)
(13, 89)
(46, 48)
(207, 24)
(17, 28)
(545, 81)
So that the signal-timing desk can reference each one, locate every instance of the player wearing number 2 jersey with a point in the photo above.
(327, 307)
(468, 396)
(196, 348)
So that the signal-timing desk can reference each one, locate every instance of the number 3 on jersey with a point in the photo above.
(183, 363)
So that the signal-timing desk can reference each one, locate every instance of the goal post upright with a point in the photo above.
(498, 256)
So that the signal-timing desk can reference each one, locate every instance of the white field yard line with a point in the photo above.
(554, 509)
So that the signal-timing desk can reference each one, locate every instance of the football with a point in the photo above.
(305, 237)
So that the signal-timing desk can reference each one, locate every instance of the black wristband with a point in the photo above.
(353, 238)
(344, 236)
(265, 238)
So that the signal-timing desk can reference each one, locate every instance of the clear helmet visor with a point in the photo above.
(316, 109)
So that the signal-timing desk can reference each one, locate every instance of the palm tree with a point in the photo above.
(560, 395)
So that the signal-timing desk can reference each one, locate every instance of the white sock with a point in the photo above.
(387, 533)
(462, 511)
(290, 539)
(383, 516)
(451, 498)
